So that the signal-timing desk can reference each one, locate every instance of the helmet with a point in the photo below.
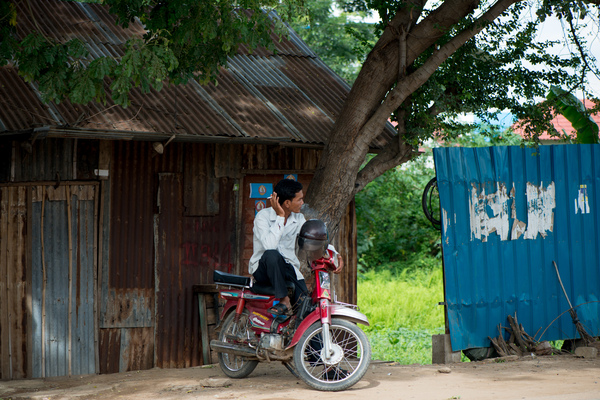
(313, 239)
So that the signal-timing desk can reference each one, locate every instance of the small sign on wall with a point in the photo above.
(260, 190)
(259, 205)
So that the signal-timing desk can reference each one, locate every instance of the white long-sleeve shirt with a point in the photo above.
(272, 233)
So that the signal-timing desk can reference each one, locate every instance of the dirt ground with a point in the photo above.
(562, 377)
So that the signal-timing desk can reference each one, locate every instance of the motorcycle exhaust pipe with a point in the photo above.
(223, 347)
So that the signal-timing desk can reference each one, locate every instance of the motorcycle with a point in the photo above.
(320, 343)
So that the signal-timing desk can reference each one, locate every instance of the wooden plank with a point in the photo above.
(96, 256)
(44, 284)
(4, 306)
(204, 329)
(20, 312)
(29, 262)
(70, 280)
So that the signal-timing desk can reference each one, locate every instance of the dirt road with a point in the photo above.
(551, 377)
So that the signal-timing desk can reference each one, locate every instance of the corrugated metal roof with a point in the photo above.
(508, 212)
(289, 96)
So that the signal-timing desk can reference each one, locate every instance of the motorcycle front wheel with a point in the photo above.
(348, 364)
(233, 366)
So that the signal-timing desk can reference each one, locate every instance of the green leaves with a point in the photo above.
(339, 41)
(183, 38)
(574, 111)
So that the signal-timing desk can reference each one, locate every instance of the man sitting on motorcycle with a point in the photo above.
(274, 260)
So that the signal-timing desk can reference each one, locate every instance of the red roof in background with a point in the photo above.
(560, 123)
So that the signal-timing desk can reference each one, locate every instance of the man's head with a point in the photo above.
(288, 190)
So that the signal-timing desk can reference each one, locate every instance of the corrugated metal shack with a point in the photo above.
(102, 237)
(508, 213)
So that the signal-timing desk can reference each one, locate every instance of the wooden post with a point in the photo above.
(201, 291)
(204, 329)
(70, 297)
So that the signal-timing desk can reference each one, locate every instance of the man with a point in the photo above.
(275, 230)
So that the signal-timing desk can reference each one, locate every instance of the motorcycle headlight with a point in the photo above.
(324, 279)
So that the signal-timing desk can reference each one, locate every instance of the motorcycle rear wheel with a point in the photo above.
(351, 363)
(233, 366)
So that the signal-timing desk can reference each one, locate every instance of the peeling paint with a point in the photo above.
(489, 212)
(581, 202)
(481, 222)
(445, 219)
(540, 210)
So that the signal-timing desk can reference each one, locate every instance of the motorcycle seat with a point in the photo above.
(231, 279)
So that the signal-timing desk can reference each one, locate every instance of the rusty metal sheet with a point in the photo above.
(201, 187)
(132, 206)
(109, 343)
(50, 160)
(173, 304)
(189, 249)
(126, 349)
(128, 308)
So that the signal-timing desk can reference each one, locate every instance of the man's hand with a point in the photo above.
(274, 199)
(340, 264)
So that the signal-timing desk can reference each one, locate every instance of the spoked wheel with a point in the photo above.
(431, 203)
(236, 366)
(349, 362)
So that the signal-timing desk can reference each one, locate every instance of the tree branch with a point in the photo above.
(582, 53)
(392, 156)
(412, 82)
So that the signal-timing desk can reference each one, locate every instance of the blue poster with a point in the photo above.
(260, 190)
(293, 177)
(259, 205)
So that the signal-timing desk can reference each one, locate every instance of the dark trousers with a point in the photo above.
(273, 270)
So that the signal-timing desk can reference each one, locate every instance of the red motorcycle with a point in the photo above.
(319, 344)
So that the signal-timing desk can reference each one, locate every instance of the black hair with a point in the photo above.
(286, 189)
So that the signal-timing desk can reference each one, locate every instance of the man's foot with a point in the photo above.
(279, 309)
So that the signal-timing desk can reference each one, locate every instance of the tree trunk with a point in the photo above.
(377, 91)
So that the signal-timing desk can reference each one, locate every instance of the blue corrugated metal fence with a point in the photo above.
(507, 213)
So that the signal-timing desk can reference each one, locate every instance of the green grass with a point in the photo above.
(404, 313)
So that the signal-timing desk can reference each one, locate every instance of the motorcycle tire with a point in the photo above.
(352, 355)
(233, 366)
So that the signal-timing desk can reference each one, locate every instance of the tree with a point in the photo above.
(429, 65)
(433, 60)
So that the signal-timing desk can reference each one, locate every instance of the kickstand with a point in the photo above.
(291, 368)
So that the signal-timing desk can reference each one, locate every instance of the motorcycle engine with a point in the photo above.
(271, 341)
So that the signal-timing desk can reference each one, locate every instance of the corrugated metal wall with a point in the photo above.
(63, 280)
(508, 212)
(47, 280)
(172, 221)
(127, 285)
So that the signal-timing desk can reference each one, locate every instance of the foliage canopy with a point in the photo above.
(184, 40)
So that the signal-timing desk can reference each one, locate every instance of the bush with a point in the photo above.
(392, 228)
